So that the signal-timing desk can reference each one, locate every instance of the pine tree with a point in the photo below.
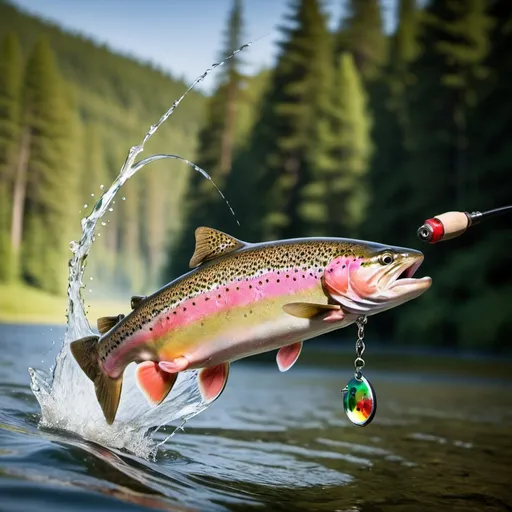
(361, 34)
(455, 42)
(240, 187)
(404, 50)
(217, 140)
(389, 181)
(346, 186)
(487, 292)
(292, 139)
(122, 96)
(232, 82)
(10, 106)
(42, 172)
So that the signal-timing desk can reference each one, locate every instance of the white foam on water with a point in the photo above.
(66, 395)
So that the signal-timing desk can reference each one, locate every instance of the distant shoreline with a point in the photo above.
(336, 354)
(21, 304)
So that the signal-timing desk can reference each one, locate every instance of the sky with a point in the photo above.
(183, 37)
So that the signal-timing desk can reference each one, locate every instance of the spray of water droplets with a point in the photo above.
(65, 394)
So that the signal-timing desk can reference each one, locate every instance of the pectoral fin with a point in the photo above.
(176, 365)
(212, 381)
(287, 356)
(155, 383)
(309, 310)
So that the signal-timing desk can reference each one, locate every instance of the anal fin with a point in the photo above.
(155, 383)
(212, 381)
(308, 309)
(287, 356)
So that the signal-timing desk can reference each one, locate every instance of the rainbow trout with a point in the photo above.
(244, 299)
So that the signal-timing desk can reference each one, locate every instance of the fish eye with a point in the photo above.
(386, 258)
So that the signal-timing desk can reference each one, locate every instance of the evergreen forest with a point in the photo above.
(355, 132)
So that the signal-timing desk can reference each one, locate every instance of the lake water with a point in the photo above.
(441, 440)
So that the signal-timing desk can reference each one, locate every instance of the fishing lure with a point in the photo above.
(359, 398)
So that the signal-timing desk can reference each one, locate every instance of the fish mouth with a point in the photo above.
(403, 277)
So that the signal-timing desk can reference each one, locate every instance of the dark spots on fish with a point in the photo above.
(287, 276)
(193, 303)
(343, 266)
(167, 318)
(184, 309)
(260, 282)
(245, 315)
(250, 311)
(309, 257)
(151, 328)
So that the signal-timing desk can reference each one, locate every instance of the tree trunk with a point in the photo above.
(226, 152)
(19, 194)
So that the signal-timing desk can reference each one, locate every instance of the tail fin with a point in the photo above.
(108, 390)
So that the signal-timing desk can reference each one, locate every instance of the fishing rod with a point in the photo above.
(450, 225)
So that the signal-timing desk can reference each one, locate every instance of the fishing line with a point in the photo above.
(163, 156)
(450, 225)
(129, 168)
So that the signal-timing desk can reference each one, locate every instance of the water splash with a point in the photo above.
(66, 395)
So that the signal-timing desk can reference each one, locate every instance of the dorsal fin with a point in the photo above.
(211, 244)
(136, 300)
(107, 322)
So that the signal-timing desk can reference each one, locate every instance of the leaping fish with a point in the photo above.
(243, 299)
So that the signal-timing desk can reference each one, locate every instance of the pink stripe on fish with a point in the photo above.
(236, 294)
(228, 296)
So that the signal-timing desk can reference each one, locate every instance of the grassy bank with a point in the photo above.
(22, 304)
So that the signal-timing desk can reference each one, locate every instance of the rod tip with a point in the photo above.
(425, 233)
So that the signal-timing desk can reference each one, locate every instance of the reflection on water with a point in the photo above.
(274, 442)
